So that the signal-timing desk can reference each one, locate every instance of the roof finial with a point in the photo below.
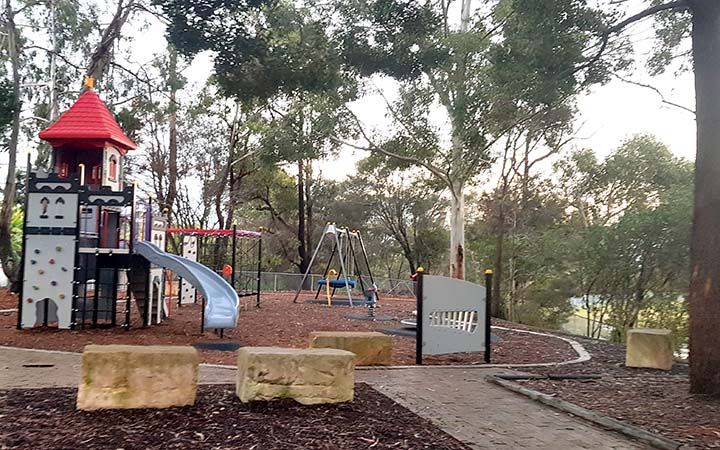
(89, 82)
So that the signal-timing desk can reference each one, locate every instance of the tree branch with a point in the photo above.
(657, 91)
(375, 148)
(646, 13)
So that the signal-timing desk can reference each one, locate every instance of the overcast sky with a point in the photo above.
(608, 114)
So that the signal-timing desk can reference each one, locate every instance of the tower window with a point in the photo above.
(112, 168)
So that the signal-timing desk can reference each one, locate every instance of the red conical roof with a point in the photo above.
(87, 124)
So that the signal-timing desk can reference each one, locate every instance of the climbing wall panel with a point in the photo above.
(48, 278)
(189, 251)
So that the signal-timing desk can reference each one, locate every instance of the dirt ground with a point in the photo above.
(280, 322)
(655, 400)
(660, 403)
(46, 418)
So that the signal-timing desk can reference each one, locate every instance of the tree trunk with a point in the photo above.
(308, 205)
(44, 149)
(704, 299)
(497, 303)
(8, 257)
(172, 132)
(457, 232)
(102, 55)
(302, 252)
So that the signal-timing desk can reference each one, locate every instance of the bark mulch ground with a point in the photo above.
(47, 419)
(659, 403)
(8, 300)
(280, 322)
(655, 400)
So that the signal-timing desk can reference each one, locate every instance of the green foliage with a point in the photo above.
(394, 37)
(614, 231)
(635, 211)
(261, 47)
(544, 41)
(304, 127)
(16, 227)
(672, 32)
(6, 104)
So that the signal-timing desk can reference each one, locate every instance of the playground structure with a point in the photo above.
(347, 246)
(232, 253)
(86, 251)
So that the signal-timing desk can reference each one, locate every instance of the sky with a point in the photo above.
(608, 114)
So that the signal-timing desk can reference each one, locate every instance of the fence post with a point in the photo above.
(419, 318)
(275, 283)
(259, 270)
(234, 256)
(488, 312)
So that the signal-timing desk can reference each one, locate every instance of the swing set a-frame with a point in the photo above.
(347, 244)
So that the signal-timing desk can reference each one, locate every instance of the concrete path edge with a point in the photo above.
(656, 440)
(583, 356)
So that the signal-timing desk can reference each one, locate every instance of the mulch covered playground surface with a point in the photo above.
(46, 418)
(654, 400)
(279, 322)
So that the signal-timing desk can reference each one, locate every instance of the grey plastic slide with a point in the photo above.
(221, 300)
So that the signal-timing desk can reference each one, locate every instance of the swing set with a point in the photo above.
(348, 245)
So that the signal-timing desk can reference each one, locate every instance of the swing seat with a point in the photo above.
(337, 283)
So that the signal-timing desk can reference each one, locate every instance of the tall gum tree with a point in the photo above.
(675, 21)
(477, 63)
(281, 55)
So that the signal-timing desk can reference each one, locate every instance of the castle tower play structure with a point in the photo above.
(87, 257)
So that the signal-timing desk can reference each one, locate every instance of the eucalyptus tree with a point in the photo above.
(630, 223)
(300, 132)
(280, 54)
(13, 39)
(478, 64)
(676, 23)
(399, 206)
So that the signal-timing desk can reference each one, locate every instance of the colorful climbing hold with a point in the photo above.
(58, 249)
(52, 261)
(53, 283)
(29, 300)
(64, 269)
(37, 251)
(36, 288)
(41, 272)
(61, 296)
(32, 261)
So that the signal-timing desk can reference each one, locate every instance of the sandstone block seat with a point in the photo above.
(370, 348)
(649, 348)
(309, 376)
(136, 376)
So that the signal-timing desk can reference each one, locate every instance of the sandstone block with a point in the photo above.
(649, 348)
(129, 376)
(309, 376)
(370, 348)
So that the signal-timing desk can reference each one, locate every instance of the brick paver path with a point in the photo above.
(20, 368)
(486, 416)
(460, 401)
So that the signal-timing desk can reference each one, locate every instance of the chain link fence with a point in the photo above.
(280, 281)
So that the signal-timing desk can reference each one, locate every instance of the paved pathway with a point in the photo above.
(21, 368)
(460, 401)
(486, 416)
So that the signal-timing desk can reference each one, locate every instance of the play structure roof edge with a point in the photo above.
(88, 120)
